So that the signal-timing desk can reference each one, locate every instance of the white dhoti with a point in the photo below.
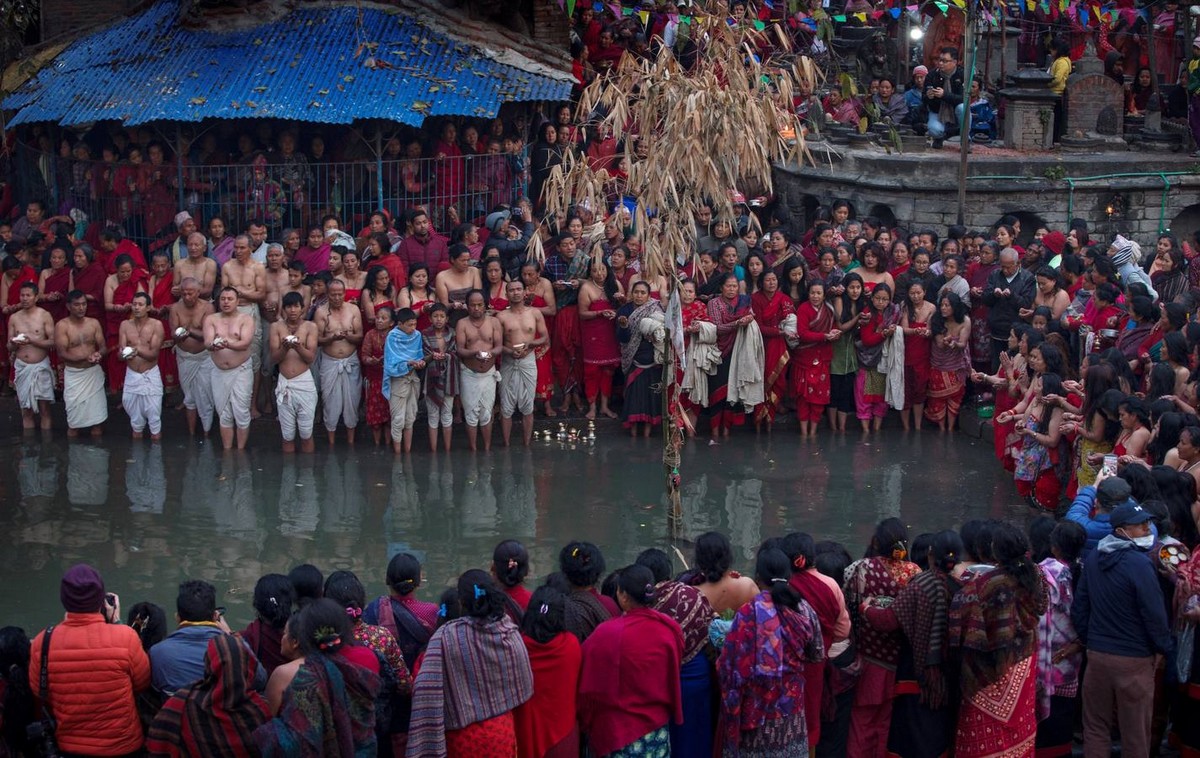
(478, 393)
(195, 377)
(256, 344)
(402, 399)
(142, 399)
(518, 385)
(296, 401)
(83, 396)
(231, 389)
(341, 388)
(34, 382)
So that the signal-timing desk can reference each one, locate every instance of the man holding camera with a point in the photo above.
(95, 667)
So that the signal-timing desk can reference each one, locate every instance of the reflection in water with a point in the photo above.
(184, 510)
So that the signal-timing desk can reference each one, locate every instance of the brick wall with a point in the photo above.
(61, 17)
(1086, 95)
(550, 24)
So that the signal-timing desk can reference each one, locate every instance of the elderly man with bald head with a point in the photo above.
(1009, 289)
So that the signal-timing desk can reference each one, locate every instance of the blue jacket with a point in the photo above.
(1118, 607)
(178, 660)
(1096, 525)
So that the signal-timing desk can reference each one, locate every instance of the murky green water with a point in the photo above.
(150, 515)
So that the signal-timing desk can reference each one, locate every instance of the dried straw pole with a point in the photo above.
(691, 136)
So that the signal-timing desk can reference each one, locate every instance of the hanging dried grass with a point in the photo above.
(692, 135)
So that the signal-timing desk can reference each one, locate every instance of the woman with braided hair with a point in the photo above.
(629, 688)
(474, 674)
(763, 664)
(329, 708)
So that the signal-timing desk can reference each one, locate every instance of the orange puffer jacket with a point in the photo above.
(95, 669)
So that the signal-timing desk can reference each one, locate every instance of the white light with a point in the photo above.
(916, 34)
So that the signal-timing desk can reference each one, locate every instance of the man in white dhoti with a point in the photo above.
(195, 364)
(524, 331)
(138, 343)
(339, 333)
(228, 335)
(478, 338)
(30, 339)
(80, 344)
(294, 347)
(248, 278)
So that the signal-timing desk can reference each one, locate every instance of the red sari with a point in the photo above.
(378, 410)
(601, 351)
(161, 297)
(545, 367)
(90, 281)
(546, 723)
(58, 281)
(114, 367)
(694, 311)
(981, 335)
(810, 371)
(770, 313)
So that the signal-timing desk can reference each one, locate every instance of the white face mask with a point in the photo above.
(1141, 543)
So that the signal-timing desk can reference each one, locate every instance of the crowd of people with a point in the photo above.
(968, 642)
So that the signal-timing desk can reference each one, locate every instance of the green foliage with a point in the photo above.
(1054, 173)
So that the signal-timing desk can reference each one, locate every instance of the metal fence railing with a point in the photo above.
(143, 197)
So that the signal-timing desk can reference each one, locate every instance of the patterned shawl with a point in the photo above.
(473, 670)
(441, 377)
(923, 610)
(690, 609)
(630, 348)
(329, 711)
(994, 621)
(877, 577)
(217, 716)
(584, 613)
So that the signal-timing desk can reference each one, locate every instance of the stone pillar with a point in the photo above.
(1029, 111)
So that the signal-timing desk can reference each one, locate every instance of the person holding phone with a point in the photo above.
(944, 96)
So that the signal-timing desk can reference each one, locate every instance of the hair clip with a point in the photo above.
(575, 553)
(512, 563)
(778, 580)
(800, 562)
(442, 610)
(478, 592)
(272, 601)
(353, 612)
(544, 609)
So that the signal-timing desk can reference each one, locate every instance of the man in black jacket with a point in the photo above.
(944, 95)
(1009, 289)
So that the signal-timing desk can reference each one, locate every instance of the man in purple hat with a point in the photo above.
(95, 668)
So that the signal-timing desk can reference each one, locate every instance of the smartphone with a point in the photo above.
(1110, 465)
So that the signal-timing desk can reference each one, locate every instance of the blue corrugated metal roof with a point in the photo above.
(301, 67)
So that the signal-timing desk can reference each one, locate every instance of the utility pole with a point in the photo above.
(964, 135)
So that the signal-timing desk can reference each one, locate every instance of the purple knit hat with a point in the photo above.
(82, 590)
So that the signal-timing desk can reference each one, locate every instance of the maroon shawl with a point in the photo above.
(818, 594)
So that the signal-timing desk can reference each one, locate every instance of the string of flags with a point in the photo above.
(1088, 12)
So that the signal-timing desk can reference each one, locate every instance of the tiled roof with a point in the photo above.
(313, 64)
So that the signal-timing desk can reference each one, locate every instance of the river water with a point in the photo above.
(151, 515)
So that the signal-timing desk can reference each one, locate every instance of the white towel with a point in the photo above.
(746, 366)
(703, 359)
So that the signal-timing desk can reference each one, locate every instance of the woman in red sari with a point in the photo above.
(771, 306)
(546, 723)
(89, 277)
(119, 290)
(881, 575)
(162, 279)
(539, 294)
(597, 325)
(993, 627)
(918, 343)
(15, 274)
(816, 328)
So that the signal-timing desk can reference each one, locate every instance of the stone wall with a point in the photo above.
(1087, 96)
(923, 191)
(550, 23)
(61, 17)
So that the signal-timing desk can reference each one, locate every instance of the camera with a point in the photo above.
(40, 734)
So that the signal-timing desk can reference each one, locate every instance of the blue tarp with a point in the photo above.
(308, 66)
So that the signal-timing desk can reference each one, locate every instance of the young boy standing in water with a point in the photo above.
(441, 376)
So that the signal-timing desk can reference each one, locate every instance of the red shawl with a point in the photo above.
(90, 281)
(58, 281)
(548, 717)
(818, 594)
(770, 311)
(123, 295)
(125, 247)
(161, 297)
(13, 296)
(629, 686)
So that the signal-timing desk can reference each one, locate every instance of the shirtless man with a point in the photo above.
(30, 339)
(539, 294)
(276, 276)
(293, 344)
(524, 331)
(453, 285)
(228, 336)
(195, 364)
(138, 343)
(80, 343)
(339, 333)
(479, 338)
(295, 283)
(197, 265)
(249, 279)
